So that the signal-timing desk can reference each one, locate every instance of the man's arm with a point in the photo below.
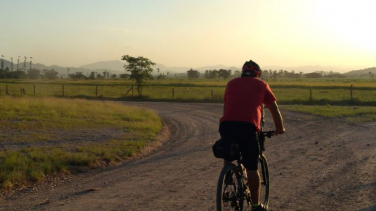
(277, 118)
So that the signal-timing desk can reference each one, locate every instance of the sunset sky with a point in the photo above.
(191, 33)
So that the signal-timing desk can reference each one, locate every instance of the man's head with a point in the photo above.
(251, 69)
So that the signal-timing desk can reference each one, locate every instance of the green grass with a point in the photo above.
(324, 82)
(353, 114)
(36, 120)
(18, 168)
(59, 113)
(288, 91)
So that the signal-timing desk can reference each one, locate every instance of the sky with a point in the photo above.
(191, 33)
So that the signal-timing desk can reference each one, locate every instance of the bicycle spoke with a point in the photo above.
(228, 190)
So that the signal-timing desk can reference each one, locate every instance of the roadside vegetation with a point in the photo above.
(322, 91)
(31, 124)
(353, 114)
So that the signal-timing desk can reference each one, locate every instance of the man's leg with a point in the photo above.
(254, 184)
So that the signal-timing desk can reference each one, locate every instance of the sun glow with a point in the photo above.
(351, 23)
(194, 33)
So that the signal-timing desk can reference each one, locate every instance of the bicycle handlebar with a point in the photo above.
(262, 136)
(268, 134)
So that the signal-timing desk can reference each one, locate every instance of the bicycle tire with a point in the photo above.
(228, 190)
(264, 177)
(244, 194)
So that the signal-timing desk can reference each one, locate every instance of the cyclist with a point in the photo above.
(243, 101)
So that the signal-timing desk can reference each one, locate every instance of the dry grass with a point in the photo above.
(34, 121)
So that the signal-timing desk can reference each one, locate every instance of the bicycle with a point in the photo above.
(232, 191)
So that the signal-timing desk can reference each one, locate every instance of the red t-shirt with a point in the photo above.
(243, 100)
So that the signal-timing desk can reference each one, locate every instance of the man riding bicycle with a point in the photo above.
(243, 101)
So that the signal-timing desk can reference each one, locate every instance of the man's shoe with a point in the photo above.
(260, 207)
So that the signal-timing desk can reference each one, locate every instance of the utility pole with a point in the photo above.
(25, 64)
(18, 62)
(11, 64)
(30, 62)
(2, 62)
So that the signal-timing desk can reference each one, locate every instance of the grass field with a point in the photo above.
(353, 114)
(288, 91)
(30, 125)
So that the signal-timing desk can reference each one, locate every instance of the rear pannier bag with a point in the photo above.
(226, 149)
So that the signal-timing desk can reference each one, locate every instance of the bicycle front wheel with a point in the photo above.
(264, 177)
(228, 188)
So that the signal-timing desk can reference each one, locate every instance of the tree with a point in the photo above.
(50, 74)
(275, 75)
(265, 75)
(33, 73)
(140, 69)
(92, 76)
(18, 74)
(224, 73)
(99, 76)
(313, 75)
(211, 74)
(106, 74)
(160, 75)
(78, 75)
(5, 73)
(124, 76)
(193, 74)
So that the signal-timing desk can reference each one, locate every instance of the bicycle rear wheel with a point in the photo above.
(228, 189)
(264, 177)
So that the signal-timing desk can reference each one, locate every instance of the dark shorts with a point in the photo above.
(246, 134)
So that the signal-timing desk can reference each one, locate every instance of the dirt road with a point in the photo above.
(319, 164)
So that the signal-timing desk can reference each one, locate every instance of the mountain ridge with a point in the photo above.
(117, 67)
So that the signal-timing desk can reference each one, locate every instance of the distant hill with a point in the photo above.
(361, 73)
(118, 65)
(115, 65)
(63, 71)
(310, 68)
(217, 67)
